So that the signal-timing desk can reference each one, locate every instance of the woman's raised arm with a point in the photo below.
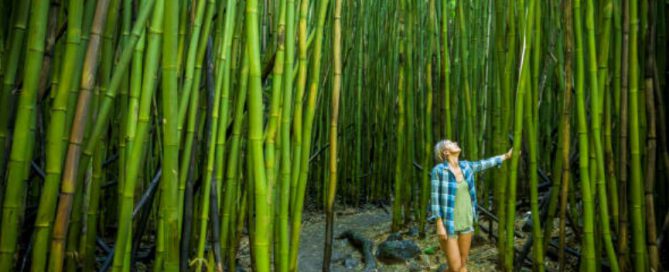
(481, 165)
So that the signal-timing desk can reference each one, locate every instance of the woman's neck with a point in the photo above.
(453, 162)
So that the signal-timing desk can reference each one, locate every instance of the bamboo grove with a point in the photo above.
(164, 132)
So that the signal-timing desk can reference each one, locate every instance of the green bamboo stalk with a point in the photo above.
(197, 46)
(186, 166)
(531, 133)
(499, 129)
(401, 126)
(255, 105)
(117, 77)
(334, 119)
(604, 108)
(446, 63)
(104, 72)
(184, 8)
(638, 231)
(224, 74)
(407, 188)
(88, 243)
(231, 176)
(472, 153)
(286, 181)
(124, 99)
(623, 142)
(557, 166)
(170, 159)
(281, 246)
(211, 163)
(20, 156)
(523, 86)
(193, 43)
(427, 122)
(89, 13)
(597, 90)
(588, 206)
(186, 200)
(73, 161)
(565, 125)
(298, 195)
(133, 104)
(55, 132)
(507, 95)
(286, 171)
(614, 113)
(15, 46)
(123, 237)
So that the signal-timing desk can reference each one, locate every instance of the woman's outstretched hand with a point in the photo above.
(507, 155)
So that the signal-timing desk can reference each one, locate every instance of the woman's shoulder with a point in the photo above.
(439, 167)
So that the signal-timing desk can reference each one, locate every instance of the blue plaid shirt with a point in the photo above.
(444, 187)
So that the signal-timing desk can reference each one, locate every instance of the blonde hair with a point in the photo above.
(439, 149)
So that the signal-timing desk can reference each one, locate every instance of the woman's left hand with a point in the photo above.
(507, 155)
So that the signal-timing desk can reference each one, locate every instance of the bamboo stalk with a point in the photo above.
(123, 237)
(224, 74)
(565, 125)
(15, 46)
(261, 243)
(638, 231)
(518, 129)
(298, 195)
(20, 156)
(282, 250)
(334, 119)
(170, 160)
(54, 139)
(588, 209)
(651, 147)
(597, 89)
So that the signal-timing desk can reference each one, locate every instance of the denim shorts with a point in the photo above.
(464, 231)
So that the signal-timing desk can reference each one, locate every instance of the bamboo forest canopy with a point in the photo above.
(181, 127)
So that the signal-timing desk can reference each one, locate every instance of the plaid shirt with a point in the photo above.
(444, 187)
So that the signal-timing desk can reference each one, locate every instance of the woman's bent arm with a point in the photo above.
(436, 177)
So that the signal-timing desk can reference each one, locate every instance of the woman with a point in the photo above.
(454, 200)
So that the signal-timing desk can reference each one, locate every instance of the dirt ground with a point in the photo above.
(374, 223)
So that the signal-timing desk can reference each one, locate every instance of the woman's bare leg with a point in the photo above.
(453, 255)
(464, 243)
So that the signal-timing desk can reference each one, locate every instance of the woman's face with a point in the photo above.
(452, 149)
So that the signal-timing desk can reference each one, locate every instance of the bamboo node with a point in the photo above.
(199, 262)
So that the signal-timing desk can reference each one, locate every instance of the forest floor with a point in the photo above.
(374, 224)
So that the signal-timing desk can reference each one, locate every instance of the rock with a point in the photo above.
(394, 237)
(397, 251)
(350, 262)
(527, 222)
(425, 260)
(339, 268)
(414, 267)
(337, 257)
(413, 232)
(365, 245)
